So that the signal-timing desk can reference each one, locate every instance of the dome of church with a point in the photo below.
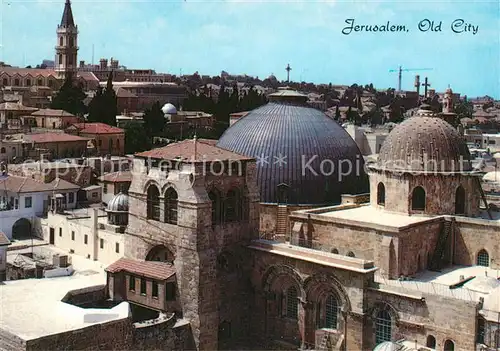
(296, 145)
(425, 143)
(119, 203)
(168, 108)
(387, 346)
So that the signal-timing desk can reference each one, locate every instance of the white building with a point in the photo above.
(92, 233)
(22, 199)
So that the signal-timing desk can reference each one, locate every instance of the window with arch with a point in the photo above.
(16, 82)
(60, 41)
(483, 258)
(39, 82)
(418, 199)
(171, 202)
(431, 342)
(71, 42)
(381, 194)
(28, 82)
(215, 197)
(2, 150)
(335, 251)
(153, 203)
(14, 151)
(351, 254)
(291, 303)
(449, 345)
(460, 200)
(331, 311)
(59, 59)
(383, 327)
(5, 82)
(231, 206)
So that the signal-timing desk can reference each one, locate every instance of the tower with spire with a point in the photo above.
(66, 48)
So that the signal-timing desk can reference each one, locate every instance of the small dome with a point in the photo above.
(387, 346)
(168, 108)
(118, 204)
(493, 176)
(425, 143)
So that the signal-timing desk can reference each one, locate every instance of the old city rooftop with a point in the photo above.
(116, 177)
(29, 185)
(96, 128)
(147, 269)
(53, 137)
(49, 112)
(193, 150)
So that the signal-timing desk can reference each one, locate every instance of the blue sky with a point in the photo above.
(261, 37)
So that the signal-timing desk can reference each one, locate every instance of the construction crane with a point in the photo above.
(400, 71)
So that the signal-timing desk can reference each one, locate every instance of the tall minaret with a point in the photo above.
(448, 101)
(67, 48)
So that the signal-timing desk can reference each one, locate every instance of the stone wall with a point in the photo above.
(10, 342)
(473, 235)
(115, 335)
(440, 191)
(415, 317)
(269, 214)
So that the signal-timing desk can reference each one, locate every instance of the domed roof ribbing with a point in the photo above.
(425, 143)
(293, 143)
(119, 203)
(387, 346)
(168, 108)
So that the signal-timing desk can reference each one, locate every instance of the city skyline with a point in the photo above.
(261, 38)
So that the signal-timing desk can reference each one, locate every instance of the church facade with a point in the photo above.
(415, 266)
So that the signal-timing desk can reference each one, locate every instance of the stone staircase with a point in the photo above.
(437, 257)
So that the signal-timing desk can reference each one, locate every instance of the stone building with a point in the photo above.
(58, 145)
(50, 119)
(108, 140)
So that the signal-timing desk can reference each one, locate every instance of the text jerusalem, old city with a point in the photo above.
(458, 26)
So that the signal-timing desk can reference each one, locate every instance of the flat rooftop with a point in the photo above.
(32, 308)
(367, 214)
(438, 283)
(314, 256)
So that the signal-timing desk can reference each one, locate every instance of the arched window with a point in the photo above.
(449, 345)
(14, 151)
(59, 60)
(2, 150)
(380, 194)
(5, 82)
(231, 206)
(460, 200)
(71, 42)
(60, 41)
(335, 251)
(483, 258)
(291, 302)
(28, 82)
(431, 342)
(383, 328)
(171, 206)
(418, 199)
(351, 254)
(16, 82)
(214, 196)
(153, 202)
(331, 312)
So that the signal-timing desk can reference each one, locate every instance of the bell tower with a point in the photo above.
(66, 48)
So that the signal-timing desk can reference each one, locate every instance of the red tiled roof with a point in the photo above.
(97, 128)
(45, 72)
(4, 241)
(185, 151)
(19, 184)
(149, 269)
(116, 177)
(53, 138)
(49, 112)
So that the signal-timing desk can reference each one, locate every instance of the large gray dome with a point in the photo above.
(296, 134)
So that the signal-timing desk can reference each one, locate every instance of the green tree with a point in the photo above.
(136, 138)
(154, 120)
(70, 98)
(103, 107)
